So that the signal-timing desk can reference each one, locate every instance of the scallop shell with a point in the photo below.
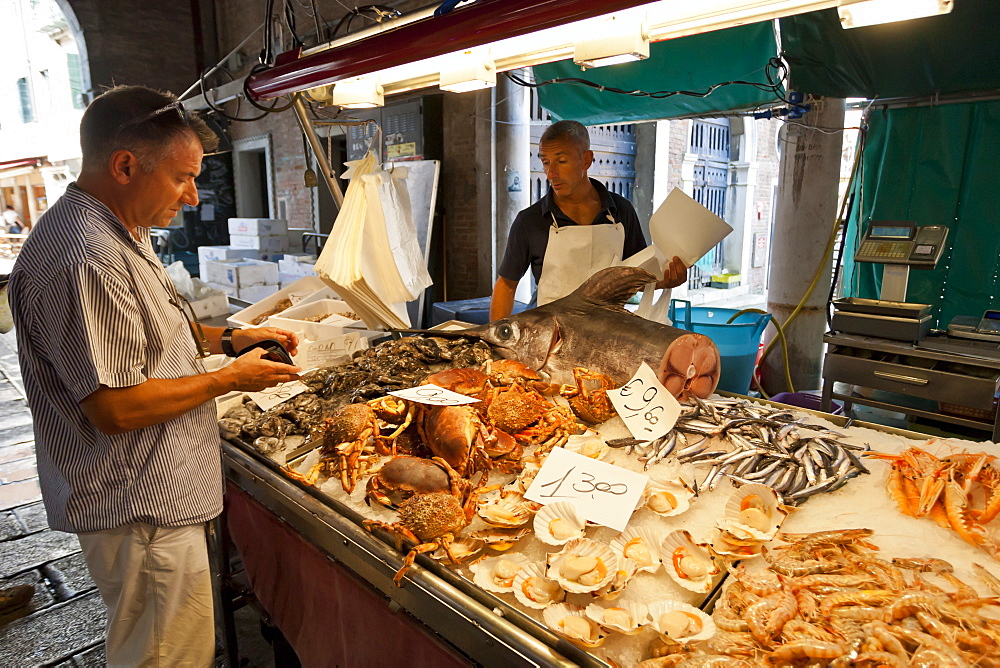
(589, 445)
(627, 618)
(700, 625)
(507, 511)
(642, 545)
(727, 549)
(462, 549)
(534, 590)
(484, 572)
(667, 497)
(603, 572)
(556, 616)
(561, 517)
(690, 564)
(500, 540)
(623, 575)
(523, 481)
(753, 514)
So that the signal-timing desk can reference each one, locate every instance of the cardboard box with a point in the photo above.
(206, 253)
(301, 291)
(228, 290)
(254, 293)
(241, 273)
(258, 226)
(211, 306)
(265, 244)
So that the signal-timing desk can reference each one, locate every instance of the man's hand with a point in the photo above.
(250, 373)
(675, 274)
(251, 335)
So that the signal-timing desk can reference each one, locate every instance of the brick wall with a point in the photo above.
(767, 174)
(678, 145)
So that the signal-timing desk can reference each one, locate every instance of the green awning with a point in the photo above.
(934, 166)
(689, 63)
(954, 52)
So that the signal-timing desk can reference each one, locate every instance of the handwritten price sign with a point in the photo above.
(600, 492)
(433, 395)
(648, 409)
(273, 396)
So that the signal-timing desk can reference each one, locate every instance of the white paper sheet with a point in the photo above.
(685, 228)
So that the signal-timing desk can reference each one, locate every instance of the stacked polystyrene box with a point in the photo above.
(267, 237)
(246, 279)
(294, 266)
(208, 254)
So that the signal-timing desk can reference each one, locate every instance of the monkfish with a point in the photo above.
(591, 328)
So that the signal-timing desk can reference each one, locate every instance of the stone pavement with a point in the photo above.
(63, 625)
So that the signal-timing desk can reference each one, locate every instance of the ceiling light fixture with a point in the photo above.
(858, 13)
(359, 93)
(618, 39)
(468, 71)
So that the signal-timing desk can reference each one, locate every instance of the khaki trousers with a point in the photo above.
(157, 586)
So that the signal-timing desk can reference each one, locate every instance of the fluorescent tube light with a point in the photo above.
(858, 13)
(468, 71)
(360, 93)
(618, 39)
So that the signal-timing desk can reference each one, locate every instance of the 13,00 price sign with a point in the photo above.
(600, 492)
(647, 408)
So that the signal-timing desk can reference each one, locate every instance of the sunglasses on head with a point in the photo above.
(176, 105)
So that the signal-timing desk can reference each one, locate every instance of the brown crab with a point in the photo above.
(403, 477)
(457, 435)
(590, 404)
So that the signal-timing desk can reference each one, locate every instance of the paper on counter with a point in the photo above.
(685, 228)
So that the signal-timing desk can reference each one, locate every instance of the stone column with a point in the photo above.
(513, 151)
(806, 211)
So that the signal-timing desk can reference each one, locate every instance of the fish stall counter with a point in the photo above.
(328, 583)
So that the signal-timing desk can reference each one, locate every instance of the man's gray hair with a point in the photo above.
(141, 120)
(572, 131)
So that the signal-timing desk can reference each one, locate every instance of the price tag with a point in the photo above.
(648, 408)
(278, 394)
(433, 395)
(600, 492)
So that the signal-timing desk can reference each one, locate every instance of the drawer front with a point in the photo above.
(927, 383)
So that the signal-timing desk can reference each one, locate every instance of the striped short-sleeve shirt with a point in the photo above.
(92, 306)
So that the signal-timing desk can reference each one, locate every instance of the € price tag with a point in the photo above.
(648, 408)
(273, 396)
(433, 395)
(600, 492)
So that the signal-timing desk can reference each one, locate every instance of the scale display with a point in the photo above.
(902, 243)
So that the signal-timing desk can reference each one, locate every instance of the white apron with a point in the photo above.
(575, 253)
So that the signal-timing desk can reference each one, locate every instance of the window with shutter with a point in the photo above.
(75, 80)
(27, 108)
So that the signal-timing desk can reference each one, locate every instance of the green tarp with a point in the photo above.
(953, 52)
(934, 166)
(689, 63)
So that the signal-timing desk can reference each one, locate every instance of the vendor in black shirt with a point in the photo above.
(576, 230)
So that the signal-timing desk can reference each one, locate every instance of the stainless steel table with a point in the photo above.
(969, 382)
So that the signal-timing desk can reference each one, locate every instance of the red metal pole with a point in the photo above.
(484, 22)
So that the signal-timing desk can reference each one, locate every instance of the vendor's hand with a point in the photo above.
(250, 373)
(675, 274)
(251, 335)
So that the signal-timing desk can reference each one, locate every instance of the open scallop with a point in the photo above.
(497, 574)
(677, 622)
(626, 571)
(582, 566)
(642, 545)
(627, 618)
(732, 550)
(534, 590)
(570, 622)
(667, 497)
(753, 515)
(690, 564)
(507, 511)
(461, 550)
(558, 523)
(500, 540)
(588, 444)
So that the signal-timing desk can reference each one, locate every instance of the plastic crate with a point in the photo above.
(965, 411)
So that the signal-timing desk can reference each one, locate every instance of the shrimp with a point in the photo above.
(708, 661)
(806, 649)
(861, 613)
(763, 583)
(807, 602)
(931, 657)
(796, 629)
(856, 597)
(926, 565)
(731, 624)
(946, 655)
(785, 610)
(990, 479)
(912, 602)
(880, 659)
(834, 537)
(890, 643)
(833, 580)
(757, 615)
(956, 502)
(732, 644)
(987, 578)
(894, 485)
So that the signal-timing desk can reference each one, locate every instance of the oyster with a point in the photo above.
(668, 497)
(753, 515)
(497, 574)
(627, 618)
(534, 590)
(558, 523)
(690, 564)
(623, 575)
(582, 566)
(570, 622)
(589, 445)
(507, 511)
(677, 622)
(642, 545)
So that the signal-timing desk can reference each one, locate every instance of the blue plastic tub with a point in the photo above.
(737, 341)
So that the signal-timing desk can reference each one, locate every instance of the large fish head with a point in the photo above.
(530, 337)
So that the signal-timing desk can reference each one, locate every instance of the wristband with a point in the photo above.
(227, 341)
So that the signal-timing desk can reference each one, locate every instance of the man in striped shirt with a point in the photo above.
(125, 427)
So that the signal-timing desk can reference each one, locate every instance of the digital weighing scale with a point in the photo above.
(898, 246)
